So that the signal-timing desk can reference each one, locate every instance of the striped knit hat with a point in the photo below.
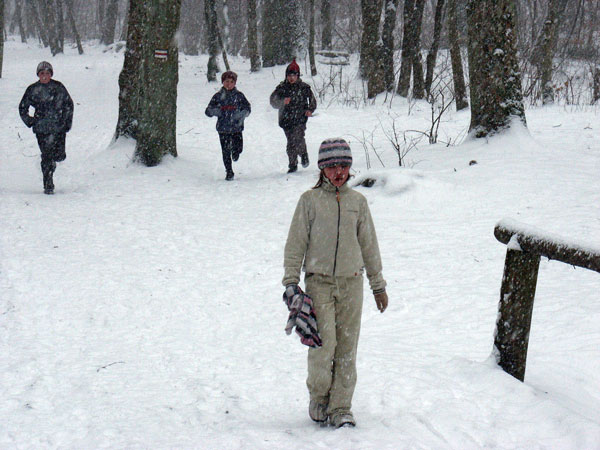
(334, 151)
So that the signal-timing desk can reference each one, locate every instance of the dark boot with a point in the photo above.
(304, 160)
(229, 176)
(48, 182)
(292, 169)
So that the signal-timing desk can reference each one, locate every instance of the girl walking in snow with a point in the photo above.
(231, 107)
(332, 237)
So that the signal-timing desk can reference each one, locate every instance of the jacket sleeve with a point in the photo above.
(312, 101)
(296, 244)
(24, 109)
(214, 107)
(245, 106)
(68, 108)
(276, 99)
(367, 239)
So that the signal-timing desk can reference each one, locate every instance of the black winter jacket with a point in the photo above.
(53, 108)
(302, 100)
(231, 108)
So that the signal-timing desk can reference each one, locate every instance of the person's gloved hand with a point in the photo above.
(381, 299)
(292, 296)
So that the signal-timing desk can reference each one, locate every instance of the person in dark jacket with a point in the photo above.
(296, 103)
(51, 121)
(230, 107)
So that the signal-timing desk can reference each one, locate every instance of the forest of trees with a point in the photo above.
(496, 54)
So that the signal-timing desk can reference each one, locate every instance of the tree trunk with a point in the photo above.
(371, 15)
(60, 25)
(253, 37)
(406, 60)
(110, 22)
(223, 50)
(49, 24)
(280, 31)
(156, 134)
(129, 78)
(326, 23)
(547, 46)
(223, 41)
(123, 35)
(596, 86)
(33, 10)
(71, 18)
(418, 81)
(19, 14)
(435, 45)
(100, 13)
(212, 37)
(387, 38)
(458, 77)
(1, 35)
(495, 79)
(311, 39)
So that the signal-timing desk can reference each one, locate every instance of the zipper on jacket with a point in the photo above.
(337, 241)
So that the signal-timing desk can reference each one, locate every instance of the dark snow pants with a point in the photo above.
(52, 148)
(296, 145)
(332, 368)
(232, 145)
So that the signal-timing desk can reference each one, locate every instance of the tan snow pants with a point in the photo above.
(332, 367)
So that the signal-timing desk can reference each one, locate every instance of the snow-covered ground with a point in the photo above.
(141, 307)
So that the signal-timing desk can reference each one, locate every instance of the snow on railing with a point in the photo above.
(525, 246)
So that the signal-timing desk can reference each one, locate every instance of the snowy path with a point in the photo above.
(140, 307)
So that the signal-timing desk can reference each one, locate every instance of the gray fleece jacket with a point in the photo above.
(332, 233)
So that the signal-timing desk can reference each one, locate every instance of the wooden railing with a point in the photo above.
(525, 247)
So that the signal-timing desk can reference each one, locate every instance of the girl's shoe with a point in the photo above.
(317, 411)
(344, 419)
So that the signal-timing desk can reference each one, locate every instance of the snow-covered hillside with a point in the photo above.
(141, 307)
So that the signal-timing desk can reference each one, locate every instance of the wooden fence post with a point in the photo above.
(516, 306)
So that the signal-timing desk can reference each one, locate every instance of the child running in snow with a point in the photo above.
(51, 121)
(332, 237)
(296, 103)
(230, 107)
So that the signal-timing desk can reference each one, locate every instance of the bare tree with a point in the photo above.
(60, 25)
(417, 21)
(311, 38)
(110, 22)
(460, 91)
(253, 37)
(495, 79)
(212, 37)
(156, 134)
(411, 50)
(432, 55)
(71, 18)
(130, 78)
(326, 25)
(281, 31)
(19, 19)
(371, 14)
(1, 35)
(387, 39)
(191, 27)
(547, 46)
